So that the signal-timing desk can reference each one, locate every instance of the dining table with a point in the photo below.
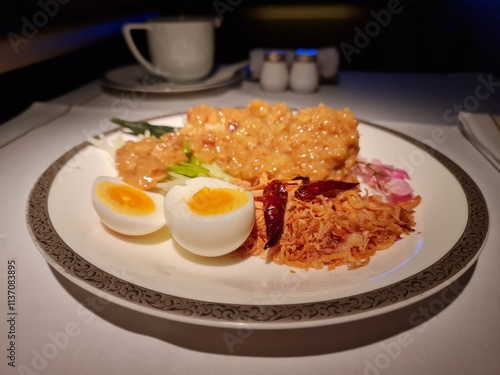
(67, 309)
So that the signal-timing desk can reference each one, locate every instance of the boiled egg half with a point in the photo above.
(125, 209)
(208, 216)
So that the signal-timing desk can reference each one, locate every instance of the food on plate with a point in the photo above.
(126, 209)
(141, 127)
(319, 143)
(341, 226)
(208, 216)
(385, 179)
(310, 190)
(301, 185)
(275, 198)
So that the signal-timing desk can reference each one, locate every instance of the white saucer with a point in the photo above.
(136, 78)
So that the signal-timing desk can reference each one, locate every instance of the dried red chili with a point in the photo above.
(310, 190)
(275, 197)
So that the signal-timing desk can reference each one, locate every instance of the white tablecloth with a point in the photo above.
(61, 329)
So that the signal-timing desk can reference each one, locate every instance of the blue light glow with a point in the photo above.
(415, 252)
(306, 52)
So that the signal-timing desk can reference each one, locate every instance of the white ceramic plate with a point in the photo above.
(157, 277)
(134, 78)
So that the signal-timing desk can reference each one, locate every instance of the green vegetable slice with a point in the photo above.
(139, 127)
(188, 169)
(192, 168)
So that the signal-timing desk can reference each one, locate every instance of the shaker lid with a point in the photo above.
(275, 56)
(304, 55)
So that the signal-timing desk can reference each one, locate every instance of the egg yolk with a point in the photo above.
(125, 199)
(217, 201)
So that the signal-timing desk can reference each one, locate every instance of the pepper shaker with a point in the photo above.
(274, 74)
(304, 76)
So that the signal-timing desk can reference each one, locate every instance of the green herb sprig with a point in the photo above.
(140, 127)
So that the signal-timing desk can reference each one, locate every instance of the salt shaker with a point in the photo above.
(304, 76)
(274, 74)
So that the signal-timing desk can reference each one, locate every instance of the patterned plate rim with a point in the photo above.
(401, 293)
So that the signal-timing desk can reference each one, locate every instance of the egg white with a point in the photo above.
(131, 225)
(207, 235)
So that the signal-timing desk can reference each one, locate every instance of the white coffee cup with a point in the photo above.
(181, 49)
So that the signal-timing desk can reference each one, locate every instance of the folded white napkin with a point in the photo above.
(483, 131)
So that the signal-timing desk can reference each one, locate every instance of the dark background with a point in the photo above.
(438, 37)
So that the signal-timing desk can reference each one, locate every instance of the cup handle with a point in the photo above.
(127, 33)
